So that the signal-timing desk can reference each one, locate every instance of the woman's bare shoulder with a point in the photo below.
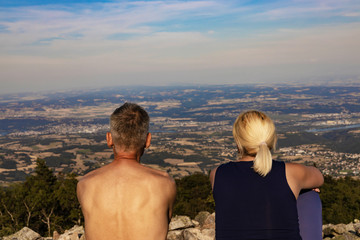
(212, 176)
(307, 176)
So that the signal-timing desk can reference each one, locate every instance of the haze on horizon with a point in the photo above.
(49, 45)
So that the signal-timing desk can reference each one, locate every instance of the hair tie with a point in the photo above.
(263, 143)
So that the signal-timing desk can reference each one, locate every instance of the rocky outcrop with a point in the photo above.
(75, 233)
(342, 231)
(180, 222)
(24, 234)
(202, 228)
(183, 228)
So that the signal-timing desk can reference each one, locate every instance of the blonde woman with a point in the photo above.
(255, 197)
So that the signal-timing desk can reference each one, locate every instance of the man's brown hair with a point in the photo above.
(129, 126)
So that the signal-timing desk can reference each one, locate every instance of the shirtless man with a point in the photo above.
(125, 200)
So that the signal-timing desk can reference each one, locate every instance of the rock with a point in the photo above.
(342, 231)
(24, 234)
(209, 233)
(75, 233)
(180, 222)
(339, 229)
(327, 230)
(357, 228)
(350, 228)
(201, 217)
(209, 222)
(192, 234)
(196, 234)
(175, 235)
(196, 223)
(330, 230)
(346, 236)
(56, 235)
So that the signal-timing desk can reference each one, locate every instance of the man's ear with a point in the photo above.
(109, 140)
(148, 140)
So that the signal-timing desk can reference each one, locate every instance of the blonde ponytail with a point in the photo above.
(263, 160)
(254, 134)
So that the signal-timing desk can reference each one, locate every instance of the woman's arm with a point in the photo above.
(303, 177)
(212, 177)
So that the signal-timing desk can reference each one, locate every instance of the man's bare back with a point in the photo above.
(125, 200)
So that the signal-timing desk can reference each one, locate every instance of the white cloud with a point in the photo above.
(115, 42)
(36, 26)
(351, 14)
(306, 8)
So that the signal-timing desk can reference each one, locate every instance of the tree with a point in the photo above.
(340, 199)
(12, 208)
(194, 194)
(68, 204)
(40, 196)
(43, 203)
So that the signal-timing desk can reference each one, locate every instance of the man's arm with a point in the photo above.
(79, 190)
(172, 196)
(82, 189)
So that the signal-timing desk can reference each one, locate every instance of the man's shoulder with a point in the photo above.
(82, 185)
(158, 174)
(164, 183)
(159, 177)
(90, 177)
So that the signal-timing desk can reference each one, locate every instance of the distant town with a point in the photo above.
(191, 127)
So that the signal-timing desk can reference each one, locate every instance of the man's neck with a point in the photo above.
(122, 156)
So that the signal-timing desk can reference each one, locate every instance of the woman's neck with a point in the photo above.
(246, 158)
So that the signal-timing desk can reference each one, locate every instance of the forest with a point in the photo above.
(46, 202)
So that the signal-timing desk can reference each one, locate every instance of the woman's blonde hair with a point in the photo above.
(254, 134)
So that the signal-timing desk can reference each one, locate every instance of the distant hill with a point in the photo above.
(191, 126)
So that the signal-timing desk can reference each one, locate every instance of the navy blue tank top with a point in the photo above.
(249, 206)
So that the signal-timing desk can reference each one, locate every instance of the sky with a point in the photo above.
(68, 44)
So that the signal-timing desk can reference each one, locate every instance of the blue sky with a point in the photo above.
(47, 45)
